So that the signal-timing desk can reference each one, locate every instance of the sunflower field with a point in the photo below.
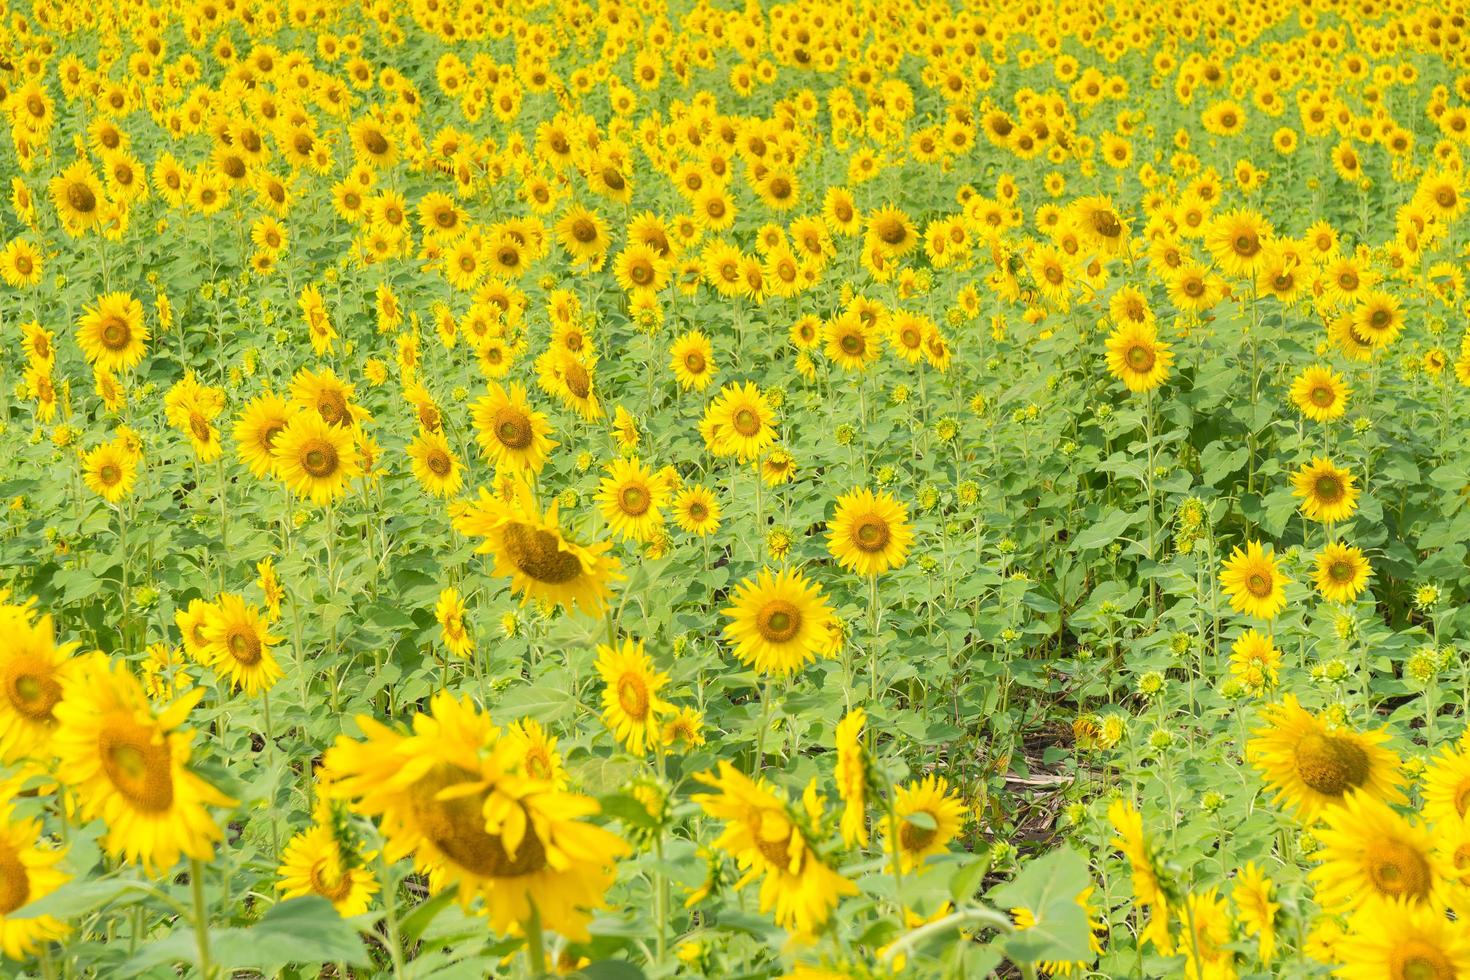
(683, 488)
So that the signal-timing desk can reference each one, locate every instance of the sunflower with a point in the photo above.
(850, 343)
(1312, 767)
(238, 646)
(1446, 788)
(1320, 393)
(685, 727)
(1328, 493)
(318, 861)
(28, 872)
(691, 357)
(327, 395)
(1403, 940)
(870, 532)
(572, 379)
(584, 235)
(1207, 936)
(1370, 854)
(1255, 910)
(631, 707)
(536, 749)
(314, 459)
(1254, 583)
(256, 428)
(631, 498)
(531, 549)
(852, 777)
(1342, 572)
(449, 612)
(1148, 889)
(1137, 357)
(779, 622)
(110, 471)
(697, 510)
(770, 843)
(926, 817)
(891, 230)
(33, 669)
(77, 194)
(1255, 659)
(130, 767)
(451, 795)
(20, 264)
(1238, 242)
(741, 422)
(1378, 319)
(435, 466)
(191, 621)
(112, 334)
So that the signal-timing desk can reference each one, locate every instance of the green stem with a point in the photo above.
(201, 917)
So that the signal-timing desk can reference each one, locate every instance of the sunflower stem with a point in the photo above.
(224, 522)
(390, 907)
(201, 917)
(535, 943)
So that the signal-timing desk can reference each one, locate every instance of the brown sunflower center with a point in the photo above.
(634, 501)
(81, 198)
(1322, 396)
(319, 458)
(1328, 489)
(375, 142)
(115, 334)
(15, 882)
(577, 380)
(438, 462)
(778, 621)
(1397, 869)
(1330, 764)
(1416, 959)
(137, 762)
(244, 646)
(871, 534)
(457, 827)
(1140, 357)
(913, 838)
(1258, 584)
(538, 554)
(633, 697)
(329, 882)
(513, 429)
(31, 687)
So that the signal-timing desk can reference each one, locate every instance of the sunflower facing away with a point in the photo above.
(779, 622)
(852, 777)
(326, 860)
(870, 533)
(1312, 767)
(130, 767)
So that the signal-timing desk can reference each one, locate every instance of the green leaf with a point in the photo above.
(610, 970)
(967, 878)
(302, 930)
(1048, 888)
(1103, 531)
(420, 918)
(78, 898)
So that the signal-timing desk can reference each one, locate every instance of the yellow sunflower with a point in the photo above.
(742, 422)
(631, 707)
(852, 777)
(1254, 908)
(870, 532)
(1403, 941)
(1328, 493)
(110, 471)
(691, 357)
(509, 431)
(1254, 583)
(1371, 854)
(238, 646)
(1137, 357)
(1342, 572)
(28, 872)
(77, 194)
(926, 817)
(130, 767)
(779, 622)
(697, 510)
(256, 428)
(314, 459)
(1312, 766)
(449, 612)
(453, 797)
(541, 561)
(1320, 393)
(327, 860)
(769, 843)
(1238, 242)
(33, 669)
(112, 334)
(1446, 787)
(631, 498)
(435, 465)
(536, 748)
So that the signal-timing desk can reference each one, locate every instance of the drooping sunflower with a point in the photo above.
(449, 612)
(130, 767)
(870, 532)
(1342, 572)
(1328, 493)
(1320, 393)
(238, 645)
(769, 843)
(631, 706)
(631, 498)
(1137, 357)
(110, 471)
(1254, 583)
(531, 549)
(435, 465)
(779, 622)
(256, 428)
(32, 670)
(926, 817)
(1371, 854)
(852, 777)
(451, 795)
(1312, 766)
(28, 872)
(1403, 940)
(691, 357)
(697, 510)
(314, 459)
(112, 334)
(318, 861)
